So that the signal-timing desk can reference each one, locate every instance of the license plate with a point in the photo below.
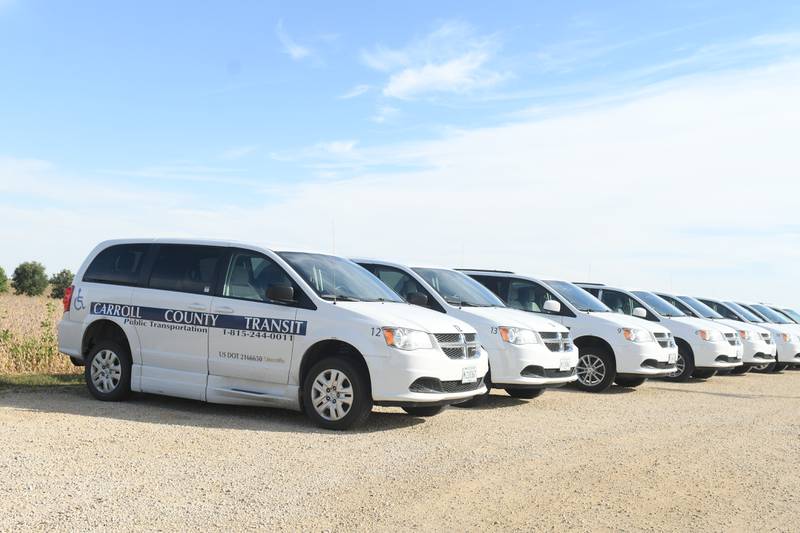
(565, 364)
(469, 375)
(673, 358)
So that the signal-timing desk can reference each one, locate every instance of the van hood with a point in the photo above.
(505, 316)
(740, 326)
(626, 321)
(702, 323)
(403, 315)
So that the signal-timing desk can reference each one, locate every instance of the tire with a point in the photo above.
(108, 371)
(423, 410)
(631, 382)
(739, 370)
(780, 367)
(480, 399)
(684, 365)
(353, 402)
(764, 369)
(525, 394)
(704, 373)
(596, 370)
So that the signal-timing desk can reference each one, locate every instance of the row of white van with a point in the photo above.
(234, 323)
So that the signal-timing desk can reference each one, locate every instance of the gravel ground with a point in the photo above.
(718, 455)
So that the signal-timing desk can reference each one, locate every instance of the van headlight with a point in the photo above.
(710, 335)
(744, 334)
(518, 335)
(407, 339)
(637, 335)
(785, 337)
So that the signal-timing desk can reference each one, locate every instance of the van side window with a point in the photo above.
(528, 296)
(185, 268)
(619, 302)
(251, 274)
(120, 265)
(499, 286)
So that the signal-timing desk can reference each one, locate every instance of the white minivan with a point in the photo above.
(755, 350)
(787, 334)
(233, 323)
(526, 354)
(703, 346)
(612, 348)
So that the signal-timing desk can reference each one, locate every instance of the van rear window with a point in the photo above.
(118, 265)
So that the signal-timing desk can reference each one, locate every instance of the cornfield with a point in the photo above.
(28, 341)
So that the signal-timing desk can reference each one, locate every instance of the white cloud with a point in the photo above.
(385, 113)
(358, 90)
(451, 59)
(238, 152)
(290, 47)
(692, 187)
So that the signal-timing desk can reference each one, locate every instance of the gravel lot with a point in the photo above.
(717, 455)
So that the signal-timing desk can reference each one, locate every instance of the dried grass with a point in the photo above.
(28, 343)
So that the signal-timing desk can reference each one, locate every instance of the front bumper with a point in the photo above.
(532, 365)
(392, 375)
(645, 359)
(758, 352)
(717, 355)
(788, 352)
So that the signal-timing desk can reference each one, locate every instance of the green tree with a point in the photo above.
(3, 281)
(29, 278)
(59, 283)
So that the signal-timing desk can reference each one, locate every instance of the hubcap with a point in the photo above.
(106, 371)
(591, 369)
(332, 394)
(680, 366)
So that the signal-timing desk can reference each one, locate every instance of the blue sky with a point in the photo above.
(279, 121)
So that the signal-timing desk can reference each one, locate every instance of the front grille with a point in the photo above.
(665, 340)
(732, 338)
(556, 341)
(652, 363)
(727, 359)
(535, 371)
(458, 345)
(763, 356)
(434, 385)
(767, 338)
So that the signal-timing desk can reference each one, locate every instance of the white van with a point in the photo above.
(755, 350)
(613, 348)
(238, 324)
(703, 346)
(526, 354)
(787, 334)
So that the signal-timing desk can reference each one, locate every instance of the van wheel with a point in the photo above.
(704, 373)
(684, 366)
(423, 410)
(631, 382)
(336, 394)
(525, 394)
(596, 370)
(108, 371)
(739, 370)
(764, 369)
(780, 367)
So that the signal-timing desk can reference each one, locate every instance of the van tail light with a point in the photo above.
(68, 298)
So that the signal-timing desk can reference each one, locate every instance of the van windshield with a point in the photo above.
(746, 313)
(459, 289)
(794, 315)
(336, 278)
(701, 308)
(660, 305)
(578, 297)
(769, 314)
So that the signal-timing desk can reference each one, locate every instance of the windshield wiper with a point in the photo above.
(339, 297)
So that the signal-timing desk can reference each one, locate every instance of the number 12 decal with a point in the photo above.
(376, 332)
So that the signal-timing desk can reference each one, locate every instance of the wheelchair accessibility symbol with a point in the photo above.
(78, 302)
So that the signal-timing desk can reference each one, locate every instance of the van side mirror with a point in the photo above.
(639, 312)
(417, 298)
(280, 293)
(552, 306)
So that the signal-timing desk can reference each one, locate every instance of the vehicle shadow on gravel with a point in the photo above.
(165, 410)
(614, 389)
(493, 401)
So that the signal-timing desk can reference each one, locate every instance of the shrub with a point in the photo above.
(59, 283)
(29, 278)
(3, 281)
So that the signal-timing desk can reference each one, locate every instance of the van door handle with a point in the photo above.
(223, 309)
(196, 307)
